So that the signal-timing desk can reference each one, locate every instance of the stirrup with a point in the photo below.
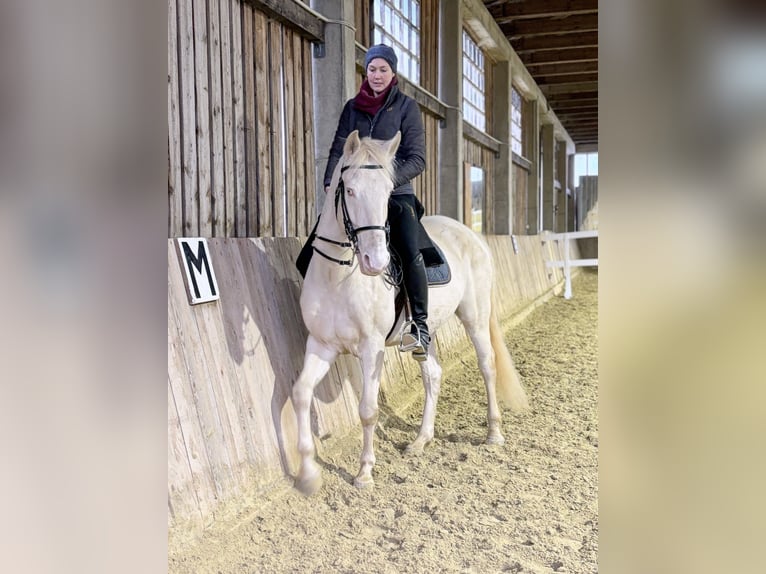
(410, 342)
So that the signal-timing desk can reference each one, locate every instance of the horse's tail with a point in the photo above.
(509, 389)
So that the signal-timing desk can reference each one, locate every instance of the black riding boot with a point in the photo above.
(416, 283)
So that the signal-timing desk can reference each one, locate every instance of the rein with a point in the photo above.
(348, 226)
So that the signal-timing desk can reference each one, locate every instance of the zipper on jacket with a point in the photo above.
(385, 105)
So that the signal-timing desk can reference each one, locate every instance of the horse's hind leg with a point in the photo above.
(316, 363)
(431, 373)
(478, 331)
(372, 366)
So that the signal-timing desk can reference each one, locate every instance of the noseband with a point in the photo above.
(348, 226)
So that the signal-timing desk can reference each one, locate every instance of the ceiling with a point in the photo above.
(558, 42)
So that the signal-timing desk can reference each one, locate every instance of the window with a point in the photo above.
(477, 198)
(397, 24)
(585, 164)
(473, 197)
(516, 131)
(473, 83)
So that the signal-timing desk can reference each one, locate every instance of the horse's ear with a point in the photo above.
(352, 143)
(392, 145)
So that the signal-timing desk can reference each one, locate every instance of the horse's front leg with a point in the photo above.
(316, 363)
(372, 366)
(431, 373)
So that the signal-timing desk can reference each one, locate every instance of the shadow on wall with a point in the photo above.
(269, 293)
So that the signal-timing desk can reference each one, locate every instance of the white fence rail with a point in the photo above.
(567, 262)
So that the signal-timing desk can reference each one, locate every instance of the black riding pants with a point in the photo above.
(405, 230)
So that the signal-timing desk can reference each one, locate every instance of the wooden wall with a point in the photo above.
(520, 176)
(427, 183)
(429, 45)
(240, 123)
(232, 363)
(363, 22)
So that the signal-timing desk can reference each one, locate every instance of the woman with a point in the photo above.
(380, 110)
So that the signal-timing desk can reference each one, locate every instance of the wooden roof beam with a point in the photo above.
(507, 11)
(561, 56)
(538, 26)
(551, 42)
(565, 79)
(556, 69)
(575, 87)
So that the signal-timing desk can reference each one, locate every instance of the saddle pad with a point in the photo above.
(439, 274)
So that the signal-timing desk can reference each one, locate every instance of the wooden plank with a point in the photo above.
(308, 138)
(301, 225)
(276, 87)
(227, 209)
(509, 11)
(190, 185)
(480, 138)
(175, 186)
(525, 27)
(218, 205)
(290, 203)
(198, 376)
(293, 15)
(362, 22)
(573, 263)
(366, 23)
(268, 359)
(467, 219)
(250, 200)
(489, 191)
(201, 64)
(246, 352)
(223, 380)
(260, 192)
(234, 294)
(424, 99)
(188, 419)
(242, 57)
(435, 165)
(182, 498)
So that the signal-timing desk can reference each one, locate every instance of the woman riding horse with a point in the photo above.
(380, 110)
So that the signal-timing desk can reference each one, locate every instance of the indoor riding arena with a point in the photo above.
(529, 506)
(508, 96)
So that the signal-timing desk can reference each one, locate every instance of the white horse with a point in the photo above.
(348, 307)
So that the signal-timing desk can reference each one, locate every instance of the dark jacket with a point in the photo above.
(399, 113)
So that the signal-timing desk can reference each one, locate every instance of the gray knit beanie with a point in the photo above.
(381, 51)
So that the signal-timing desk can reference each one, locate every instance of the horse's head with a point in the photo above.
(364, 184)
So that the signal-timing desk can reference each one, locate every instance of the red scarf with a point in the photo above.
(368, 102)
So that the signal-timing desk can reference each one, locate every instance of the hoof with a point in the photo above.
(310, 485)
(414, 449)
(363, 482)
(495, 439)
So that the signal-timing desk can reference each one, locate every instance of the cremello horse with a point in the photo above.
(348, 307)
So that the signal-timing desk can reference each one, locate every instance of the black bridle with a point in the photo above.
(348, 226)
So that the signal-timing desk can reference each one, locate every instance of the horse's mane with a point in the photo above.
(370, 151)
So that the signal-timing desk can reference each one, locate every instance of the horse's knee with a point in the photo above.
(368, 415)
(432, 380)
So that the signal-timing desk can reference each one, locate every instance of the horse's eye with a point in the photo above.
(349, 191)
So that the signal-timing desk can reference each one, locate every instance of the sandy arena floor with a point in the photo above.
(529, 506)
